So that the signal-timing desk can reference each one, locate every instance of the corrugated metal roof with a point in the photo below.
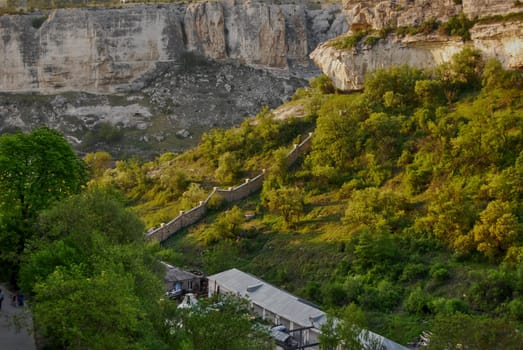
(270, 298)
(174, 274)
(284, 304)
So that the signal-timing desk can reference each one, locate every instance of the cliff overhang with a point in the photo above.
(497, 33)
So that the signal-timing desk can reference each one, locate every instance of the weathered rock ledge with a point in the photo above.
(502, 40)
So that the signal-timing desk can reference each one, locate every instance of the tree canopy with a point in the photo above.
(36, 170)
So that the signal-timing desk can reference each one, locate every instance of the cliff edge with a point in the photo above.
(497, 31)
(108, 49)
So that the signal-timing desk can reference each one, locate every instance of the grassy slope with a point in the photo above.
(317, 257)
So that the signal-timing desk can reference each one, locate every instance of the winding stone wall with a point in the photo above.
(187, 218)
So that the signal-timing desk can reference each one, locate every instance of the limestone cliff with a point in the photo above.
(104, 50)
(501, 39)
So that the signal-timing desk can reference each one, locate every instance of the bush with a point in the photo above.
(322, 84)
(371, 40)
(416, 302)
(490, 290)
(413, 272)
(334, 295)
(458, 26)
(349, 41)
(439, 272)
(516, 309)
(103, 132)
(389, 295)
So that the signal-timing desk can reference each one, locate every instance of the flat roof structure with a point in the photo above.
(270, 298)
(284, 305)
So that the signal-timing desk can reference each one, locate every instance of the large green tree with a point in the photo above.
(222, 322)
(36, 169)
(94, 281)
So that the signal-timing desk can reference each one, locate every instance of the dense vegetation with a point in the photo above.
(80, 256)
(408, 207)
(405, 217)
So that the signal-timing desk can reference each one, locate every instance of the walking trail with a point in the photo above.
(16, 327)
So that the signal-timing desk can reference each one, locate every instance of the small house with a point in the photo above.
(182, 282)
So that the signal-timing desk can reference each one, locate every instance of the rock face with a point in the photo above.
(105, 50)
(378, 14)
(502, 40)
(347, 68)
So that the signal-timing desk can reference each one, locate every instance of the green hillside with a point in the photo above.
(408, 207)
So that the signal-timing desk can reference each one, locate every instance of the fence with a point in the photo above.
(232, 194)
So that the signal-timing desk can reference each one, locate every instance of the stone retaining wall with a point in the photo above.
(232, 194)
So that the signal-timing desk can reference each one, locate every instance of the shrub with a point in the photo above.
(323, 84)
(490, 290)
(371, 40)
(334, 295)
(349, 41)
(458, 25)
(428, 26)
(389, 295)
(516, 309)
(412, 272)
(416, 302)
(439, 272)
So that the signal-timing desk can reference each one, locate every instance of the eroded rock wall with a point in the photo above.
(484, 8)
(502, 40)
(377, 14)
(106, 50)
(86, 49)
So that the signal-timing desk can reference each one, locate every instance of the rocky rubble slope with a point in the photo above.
(176, 105)
(141, 80)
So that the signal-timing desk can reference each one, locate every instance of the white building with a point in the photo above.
(280, 307)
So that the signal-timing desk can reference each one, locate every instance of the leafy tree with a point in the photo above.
(462, 73)
(322, 84)
(278, 171)
(35, 170)
(377, 254)
(392, 89)
(348, 330)
(496, 230)
(98, 162)
(336, 140)
(194, 194)
(228, 168)
(451, 215)
(289, 202)
(380, 211)
(430, 92)
(384, 136)
(171, 185)
(76, 310)
(226, 226)
(416, 302)
(130, 178)
(94, 281)
(222, 322)
(458, 25)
